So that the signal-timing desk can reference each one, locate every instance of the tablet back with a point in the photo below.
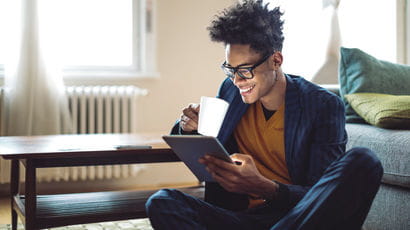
(189, 148)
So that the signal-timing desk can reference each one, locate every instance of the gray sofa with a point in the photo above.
(391, 207)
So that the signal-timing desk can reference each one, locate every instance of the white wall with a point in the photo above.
(188, 62)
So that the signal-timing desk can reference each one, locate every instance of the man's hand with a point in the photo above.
(242, 177)
(189, 118)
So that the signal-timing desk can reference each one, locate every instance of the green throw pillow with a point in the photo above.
(382, 110)
(361, 73)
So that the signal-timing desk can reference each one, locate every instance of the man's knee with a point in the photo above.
(365, 159)
(156, 200)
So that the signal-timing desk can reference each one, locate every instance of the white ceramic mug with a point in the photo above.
(211, 115)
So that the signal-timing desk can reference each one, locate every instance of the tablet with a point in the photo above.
(189, 148)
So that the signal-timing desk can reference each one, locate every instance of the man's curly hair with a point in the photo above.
(249, 22)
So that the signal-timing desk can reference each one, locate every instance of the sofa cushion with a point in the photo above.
(391, 146)
(361, 73)
(382, 110)
(390, 209)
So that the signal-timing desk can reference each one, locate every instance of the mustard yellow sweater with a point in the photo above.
(264, 141)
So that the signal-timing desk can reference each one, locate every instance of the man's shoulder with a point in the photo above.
(312, 93)
(309, 89)
(227, 90)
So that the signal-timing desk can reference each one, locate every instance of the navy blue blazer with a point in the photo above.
(314, 137)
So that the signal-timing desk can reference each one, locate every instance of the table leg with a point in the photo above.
(30, 195)
(14, 190)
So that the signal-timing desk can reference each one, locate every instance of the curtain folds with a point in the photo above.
(34, 100)
(328, 72)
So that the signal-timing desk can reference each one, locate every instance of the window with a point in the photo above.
(98, 38)
(370, 25)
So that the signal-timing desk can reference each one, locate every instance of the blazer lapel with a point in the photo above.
(293, 111)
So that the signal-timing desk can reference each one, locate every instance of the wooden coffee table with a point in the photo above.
(46, 211)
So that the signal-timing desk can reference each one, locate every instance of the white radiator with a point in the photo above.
(1, 110)
(104, 109)
(94, 109)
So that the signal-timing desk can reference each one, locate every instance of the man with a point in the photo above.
(287, 135)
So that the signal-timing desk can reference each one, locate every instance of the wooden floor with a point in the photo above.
(5, 217)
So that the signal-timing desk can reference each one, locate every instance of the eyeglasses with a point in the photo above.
(243, 72)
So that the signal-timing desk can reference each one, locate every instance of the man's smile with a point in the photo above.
(245, 90)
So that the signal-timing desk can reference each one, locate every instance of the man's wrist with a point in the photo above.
(282, 195)
(268, 191)
(272, 193)
(183, 132)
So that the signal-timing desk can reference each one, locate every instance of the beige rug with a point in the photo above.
(137, 224)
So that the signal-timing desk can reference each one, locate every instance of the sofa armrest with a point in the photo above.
(334, 88)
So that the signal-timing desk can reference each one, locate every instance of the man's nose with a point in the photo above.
(237, 78)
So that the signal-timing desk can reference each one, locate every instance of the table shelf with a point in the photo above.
(79, 208)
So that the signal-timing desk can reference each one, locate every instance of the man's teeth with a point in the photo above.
(246, 89)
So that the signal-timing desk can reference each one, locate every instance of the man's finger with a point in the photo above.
(237, 157)
(191, 114)
(195, 107)
(220, 163)
(225, 171)
(190, 126)
(192, 121)
(225, 182)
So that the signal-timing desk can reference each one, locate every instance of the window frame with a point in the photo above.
(143, 52)
(143, 63)
(405, 4)
(403, 32)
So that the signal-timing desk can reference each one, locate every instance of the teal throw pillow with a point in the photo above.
(361, 73)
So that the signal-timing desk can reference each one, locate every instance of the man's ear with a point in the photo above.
(277, 59)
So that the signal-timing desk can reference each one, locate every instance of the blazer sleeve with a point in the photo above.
(327, 143)
(223, 88)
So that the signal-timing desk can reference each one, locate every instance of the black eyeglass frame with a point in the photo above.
(231, 74)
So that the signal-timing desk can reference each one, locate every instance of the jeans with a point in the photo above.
(340, 199)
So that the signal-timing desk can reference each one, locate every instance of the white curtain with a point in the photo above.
(307, 29)
(35, 101)
(328, 72)
(315, 29)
